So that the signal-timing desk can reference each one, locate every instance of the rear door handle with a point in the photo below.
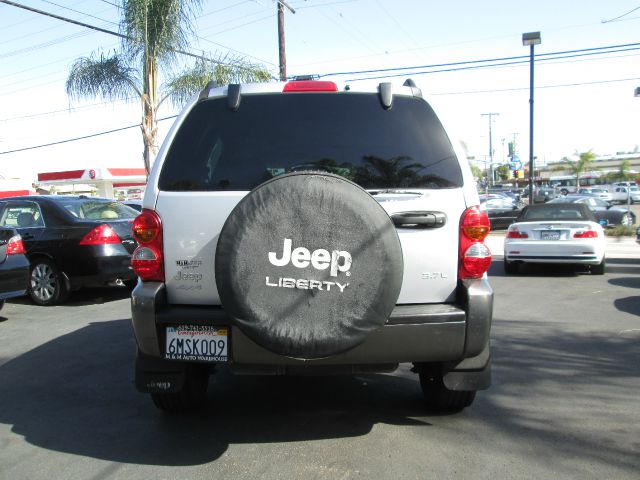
(419, 219)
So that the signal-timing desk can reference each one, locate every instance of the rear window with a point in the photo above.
(556, 212)
(95, 209)
(348, 134)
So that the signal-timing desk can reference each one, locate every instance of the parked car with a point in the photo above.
(502, 211)
(307, 227)
(565, 233)
(135, 204)
(71, 242)
(606, 214)
(513, 194)
(544, 194)
(14, 266)
(599, 192)
(628, 194)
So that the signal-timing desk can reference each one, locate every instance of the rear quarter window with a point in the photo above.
(348, 134)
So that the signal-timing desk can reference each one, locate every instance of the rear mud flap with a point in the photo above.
(470, 374)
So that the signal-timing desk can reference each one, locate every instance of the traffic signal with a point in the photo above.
(515, 174)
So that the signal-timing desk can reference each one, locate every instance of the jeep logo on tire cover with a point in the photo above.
(320, 259)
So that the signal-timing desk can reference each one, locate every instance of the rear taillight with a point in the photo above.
(586, 234)
(101, 235)
(309, 86)
(475, 257)
(147, 261)
(517, 234)
(15, 246)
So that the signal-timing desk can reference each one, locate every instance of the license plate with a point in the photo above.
(550, 235)
(196, 343)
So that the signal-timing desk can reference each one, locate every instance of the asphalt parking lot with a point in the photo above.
(563, 403)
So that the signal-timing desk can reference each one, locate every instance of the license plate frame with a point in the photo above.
(196, 343)
(550, 235)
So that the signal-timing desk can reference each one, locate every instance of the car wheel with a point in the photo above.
(191, 396)
(130, 284)
(438, 397)
(308, 265)
(1, 304)
(510, 268)
(598, 269)
(47, 285)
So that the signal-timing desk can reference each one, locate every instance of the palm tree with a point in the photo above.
(154, 32)
(577, 167)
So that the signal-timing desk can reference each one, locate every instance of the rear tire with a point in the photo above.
(598, 269)
(438, 397)
(510, 268)
(192, 396)
(47, 284)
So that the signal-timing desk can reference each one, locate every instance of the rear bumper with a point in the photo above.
(413, 333)
(573, 252)
(101, 269)
(14, 276)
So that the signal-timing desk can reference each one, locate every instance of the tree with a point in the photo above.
(476, 172)
(577, 167)
(154, 33)
(504, 172)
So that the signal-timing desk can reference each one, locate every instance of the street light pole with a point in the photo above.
(531, 39)
(490, 115)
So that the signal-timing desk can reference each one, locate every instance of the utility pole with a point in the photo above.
(490, 115)
(281, 50)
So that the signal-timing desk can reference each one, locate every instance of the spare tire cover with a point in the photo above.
(308, 264)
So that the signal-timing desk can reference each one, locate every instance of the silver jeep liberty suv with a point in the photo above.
(310, 227)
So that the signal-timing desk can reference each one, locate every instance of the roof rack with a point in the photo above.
(414, 88)
(204, 93)
(233, 96)
(386, 95)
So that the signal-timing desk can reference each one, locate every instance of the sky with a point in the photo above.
(584, 100)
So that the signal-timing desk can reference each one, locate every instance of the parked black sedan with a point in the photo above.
(71, 242)
(502, 211)
(14, 266)
(606, 214)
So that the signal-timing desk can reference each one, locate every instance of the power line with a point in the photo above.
(620, 16)
(432, 94)
(77, 11)
(81, 138)
(516, 59)
(103, 30)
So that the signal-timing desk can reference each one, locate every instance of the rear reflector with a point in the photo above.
(476, 260)
(146, 263)
(310, 86)
(101, 235)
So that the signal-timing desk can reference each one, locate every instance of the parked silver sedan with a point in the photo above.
(565, 233)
